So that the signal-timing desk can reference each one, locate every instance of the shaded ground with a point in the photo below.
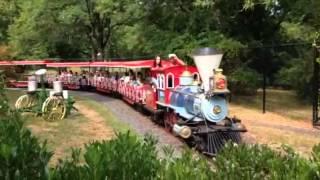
(140, 123)
(73, 132)
(274, 129)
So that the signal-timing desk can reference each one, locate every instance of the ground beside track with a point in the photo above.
(138, 122)
(275, 130)
(270, 128)
(99, 113)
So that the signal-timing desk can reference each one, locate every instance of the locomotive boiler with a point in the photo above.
(202, 111)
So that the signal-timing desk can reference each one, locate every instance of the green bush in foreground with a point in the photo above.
(128, 157)
(261, 162)
(125, 157)
(188, 166)
(21, 155)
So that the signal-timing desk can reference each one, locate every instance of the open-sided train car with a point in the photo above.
(22, 83)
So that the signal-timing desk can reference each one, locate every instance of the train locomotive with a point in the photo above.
(189, 101)
(198, 114)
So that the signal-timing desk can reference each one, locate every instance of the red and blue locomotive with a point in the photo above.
(195, 111)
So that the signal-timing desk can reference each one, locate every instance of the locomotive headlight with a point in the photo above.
(216, 109)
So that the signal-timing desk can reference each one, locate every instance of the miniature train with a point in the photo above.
(193, 108)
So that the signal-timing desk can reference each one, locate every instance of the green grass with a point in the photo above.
(109, 117)
(13, 95)
(282, 102)
(58, 134)
(71, 132)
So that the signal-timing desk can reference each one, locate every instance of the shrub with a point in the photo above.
(260, 162)
(21, 155)
(125, 157)
(314, 172)
(188, 166)
(244, 81)
(4, 105)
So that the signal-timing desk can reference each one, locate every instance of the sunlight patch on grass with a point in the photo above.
(302, 143)
(109, 117)
(282, 102)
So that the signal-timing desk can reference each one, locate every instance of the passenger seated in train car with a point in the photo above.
(115, 76)
(132, 79)
(138, 81)
(107, 74)
(157, 62)
(76, 78)
(83, 83)
(64, 76)
(99, 79)
(131, 73)
(95, 78)
(69, 76)
(132, 76)
(91, 79)
(126, 78)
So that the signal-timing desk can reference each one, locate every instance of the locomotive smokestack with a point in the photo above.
(206, 60)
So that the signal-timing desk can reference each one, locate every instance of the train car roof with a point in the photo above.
(124, 64)
(27, 62)
(68, 64)
(148, 63)
(111, 64)
(24, 62)
(6, 63)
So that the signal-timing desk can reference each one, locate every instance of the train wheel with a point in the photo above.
(170, 118)
(54, 109)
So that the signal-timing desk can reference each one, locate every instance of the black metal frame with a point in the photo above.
(315, 82)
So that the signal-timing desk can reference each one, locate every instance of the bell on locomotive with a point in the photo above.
(208, 61)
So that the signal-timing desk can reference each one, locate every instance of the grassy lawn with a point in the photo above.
(107, 115)
(92, 122)
(282, 102)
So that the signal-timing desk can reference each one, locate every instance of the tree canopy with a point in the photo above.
(105, 29)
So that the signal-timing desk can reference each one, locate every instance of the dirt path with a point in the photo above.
(273, 129)
(137, 121)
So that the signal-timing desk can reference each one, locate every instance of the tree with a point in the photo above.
(60, 28)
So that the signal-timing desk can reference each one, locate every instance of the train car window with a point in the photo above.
(196, 76)
(170, 80)
(162, 82)
(158, 81)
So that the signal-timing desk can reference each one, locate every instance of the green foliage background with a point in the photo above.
(248, 32)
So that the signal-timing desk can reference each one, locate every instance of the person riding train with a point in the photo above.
(173, 58)
(157, 62)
